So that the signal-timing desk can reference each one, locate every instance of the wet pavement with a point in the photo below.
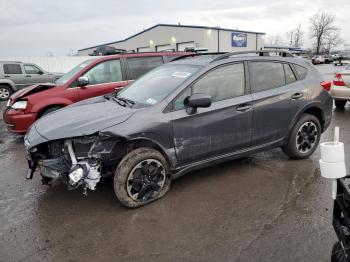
(265, 207)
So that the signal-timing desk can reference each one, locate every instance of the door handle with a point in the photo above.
(28, 76)
(297, 96)
(7, 76)
(244, 107)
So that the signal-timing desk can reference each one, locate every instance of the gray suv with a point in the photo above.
(194, 112)
(17, 75)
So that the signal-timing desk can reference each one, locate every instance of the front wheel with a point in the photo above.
(141, 177)
(303, 138)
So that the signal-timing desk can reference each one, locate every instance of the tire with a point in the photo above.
(304, 137)
(50, 110)
(340, 103)
(338, 254)
(131, 168)
(5, 92)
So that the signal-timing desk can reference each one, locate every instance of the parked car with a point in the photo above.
(91, 78)
(190, 113)
(341, 59)
(340, 90)
(17, 75)
(319, 59)
(328, 59)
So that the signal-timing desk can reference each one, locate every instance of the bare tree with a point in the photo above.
(331, 40)
(321, 25)
(298, 36)
(274, 40)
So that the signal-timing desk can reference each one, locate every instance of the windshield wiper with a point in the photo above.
(123, 101)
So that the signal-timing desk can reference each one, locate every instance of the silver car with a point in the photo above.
(340, 90)
(17, 75)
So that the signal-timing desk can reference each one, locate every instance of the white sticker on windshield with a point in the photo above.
(181, 74)
(151, 101)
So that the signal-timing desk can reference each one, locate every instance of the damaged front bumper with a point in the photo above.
(77, 162)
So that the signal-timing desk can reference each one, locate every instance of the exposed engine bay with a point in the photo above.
(77, 162)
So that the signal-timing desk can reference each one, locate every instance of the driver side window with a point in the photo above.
(221, 83)
(105, 72)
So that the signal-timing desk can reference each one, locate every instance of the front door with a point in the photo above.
(224, 127)
(105, 77)
(35, 75)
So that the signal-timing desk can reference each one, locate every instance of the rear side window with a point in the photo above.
(12, 69)
(266, 75)
(138, 66)
(302, 71)
(290, 77)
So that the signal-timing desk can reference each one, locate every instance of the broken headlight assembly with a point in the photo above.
(77, 161)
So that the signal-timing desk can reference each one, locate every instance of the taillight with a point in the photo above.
(338, 80)
(326, 85)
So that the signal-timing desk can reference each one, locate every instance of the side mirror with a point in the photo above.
(195, 101)
(83, 81)
(40, 72)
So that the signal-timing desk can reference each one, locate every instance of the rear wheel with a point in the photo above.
(340, 103)
(5, 92)
(303, 138)
(141, 177)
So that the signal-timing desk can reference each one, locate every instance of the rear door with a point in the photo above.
(105, 77)
(14, 72)
(277, 97)
(138, 66)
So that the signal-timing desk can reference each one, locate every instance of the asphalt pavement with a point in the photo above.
(265, 207)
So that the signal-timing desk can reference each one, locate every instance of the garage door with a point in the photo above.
(160, 48)
(145, 49)
(182, 46)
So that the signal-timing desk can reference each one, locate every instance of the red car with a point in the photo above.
(91, 78)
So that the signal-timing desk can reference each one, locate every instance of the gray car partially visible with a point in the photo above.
(17, 75)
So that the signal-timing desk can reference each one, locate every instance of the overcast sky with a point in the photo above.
(37, 27)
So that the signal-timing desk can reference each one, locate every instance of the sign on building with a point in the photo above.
(238, 39)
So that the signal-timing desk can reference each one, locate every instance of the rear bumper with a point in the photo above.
(17, 121)
(340, 92)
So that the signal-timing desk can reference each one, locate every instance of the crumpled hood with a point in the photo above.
(83, 118)
(31, 90)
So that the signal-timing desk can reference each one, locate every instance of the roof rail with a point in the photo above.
(260, 52)
(197, 54)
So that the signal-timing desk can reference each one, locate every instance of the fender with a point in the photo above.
(169, 153)
(50, 102)
(10, 83)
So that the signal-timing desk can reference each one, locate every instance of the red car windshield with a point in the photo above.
(66, 77)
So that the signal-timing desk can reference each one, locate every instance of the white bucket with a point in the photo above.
(332, 152)
(332, 170)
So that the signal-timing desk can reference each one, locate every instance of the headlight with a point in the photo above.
(19, 105)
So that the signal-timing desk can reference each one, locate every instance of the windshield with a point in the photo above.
(157, 84)
(66, 77)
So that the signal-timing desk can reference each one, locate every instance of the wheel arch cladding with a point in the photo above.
(318, 113)
(143, 142)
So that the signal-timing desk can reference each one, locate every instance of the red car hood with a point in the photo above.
(31, 90)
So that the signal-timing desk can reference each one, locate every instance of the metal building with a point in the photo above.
(178, 37)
